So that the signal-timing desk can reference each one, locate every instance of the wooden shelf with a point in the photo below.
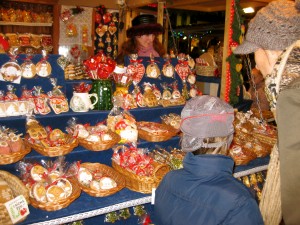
(26, 24)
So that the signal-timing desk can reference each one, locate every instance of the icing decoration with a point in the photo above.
(136, 69)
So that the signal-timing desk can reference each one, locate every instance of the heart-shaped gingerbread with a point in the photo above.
(112, 29)
(100, 30)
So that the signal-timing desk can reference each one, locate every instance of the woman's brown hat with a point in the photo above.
(144, 24)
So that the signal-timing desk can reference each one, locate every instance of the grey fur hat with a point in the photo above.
(274, 27)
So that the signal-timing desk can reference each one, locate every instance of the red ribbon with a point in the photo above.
(136, 61)
(183, 62)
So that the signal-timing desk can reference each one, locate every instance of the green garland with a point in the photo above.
(236, 79)
(235, 61)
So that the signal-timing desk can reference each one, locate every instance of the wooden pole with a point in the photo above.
(166, 34)
(225, 49)
(160, 16)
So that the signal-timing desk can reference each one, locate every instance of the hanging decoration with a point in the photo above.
(234, 78)
(67, 17)
(106, 32)
(67, 14)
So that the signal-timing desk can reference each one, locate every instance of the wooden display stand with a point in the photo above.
(36, 28)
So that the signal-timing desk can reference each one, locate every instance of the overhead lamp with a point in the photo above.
(248, 10)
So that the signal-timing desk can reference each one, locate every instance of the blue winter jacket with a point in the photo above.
(204, 192)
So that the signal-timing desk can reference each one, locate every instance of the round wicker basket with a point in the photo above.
(102, 145)
(168, 133)
(143, 184)
(54, 206)
(18, 188)
(54, 151)
(107, 172)
(14, 156)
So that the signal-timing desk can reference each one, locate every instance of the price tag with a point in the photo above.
(17, 208)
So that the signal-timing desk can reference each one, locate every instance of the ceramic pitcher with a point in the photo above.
(81, 102)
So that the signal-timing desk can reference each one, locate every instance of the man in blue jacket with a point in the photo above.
(204, 191)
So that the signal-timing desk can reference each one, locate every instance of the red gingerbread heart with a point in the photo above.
(106, 18)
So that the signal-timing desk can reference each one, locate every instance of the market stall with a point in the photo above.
(85, 206)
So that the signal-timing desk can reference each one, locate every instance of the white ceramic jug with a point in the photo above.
(81, 102)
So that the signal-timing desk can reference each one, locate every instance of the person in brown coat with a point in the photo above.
(273, 36)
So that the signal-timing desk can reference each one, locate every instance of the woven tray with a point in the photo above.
(53, 151)
(108, 172)
(152, 137)
(143, 184)
(100, 146)
(205, 70)
(18, 188)
(54, 206)
(14, 156)
(172, 102)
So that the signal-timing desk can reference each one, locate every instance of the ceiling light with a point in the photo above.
(248, 10)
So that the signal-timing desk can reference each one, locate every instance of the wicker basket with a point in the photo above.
(54, 206)
(18, 188)
(108, 172)
(102, 145)
(152, 137)
(265, 139)
(143, 184)
(54, 151)
(247, 157)
(14, 156)
(205, 70)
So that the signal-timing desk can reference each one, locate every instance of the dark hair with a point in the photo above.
(144, 24)
(130, 46)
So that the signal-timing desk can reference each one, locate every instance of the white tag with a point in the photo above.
(153, 196)
(17, 208)
(124, 79)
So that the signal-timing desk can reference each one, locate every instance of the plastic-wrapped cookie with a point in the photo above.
(152, 71)
(38, 173)
(28, 69)
(106, 137)
(82, 132)
(66, 185)
(191, 78)
(43, 68)
(168, 70)
(54, 175)
(39, 192)
(55, 193)
(11, 71)
(95, 185)
(93, 138)
(84, 176)
(107, 183)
